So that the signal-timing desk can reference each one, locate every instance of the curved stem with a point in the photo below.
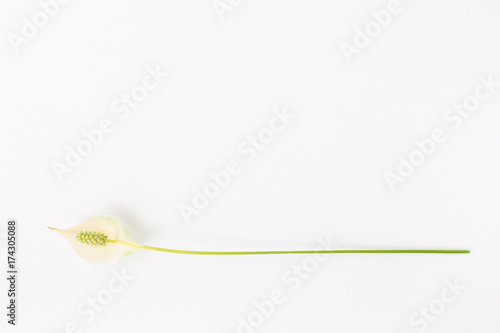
(234, 253)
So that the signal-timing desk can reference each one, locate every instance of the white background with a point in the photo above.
(322, 176)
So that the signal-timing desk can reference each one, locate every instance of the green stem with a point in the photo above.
(217, 253)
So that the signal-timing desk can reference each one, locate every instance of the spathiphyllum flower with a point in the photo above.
(102, 240)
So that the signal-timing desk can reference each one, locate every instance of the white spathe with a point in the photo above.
(104, 255)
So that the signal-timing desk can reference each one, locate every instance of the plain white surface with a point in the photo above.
(322, 176)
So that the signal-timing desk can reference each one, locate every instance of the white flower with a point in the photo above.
(101, 240)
